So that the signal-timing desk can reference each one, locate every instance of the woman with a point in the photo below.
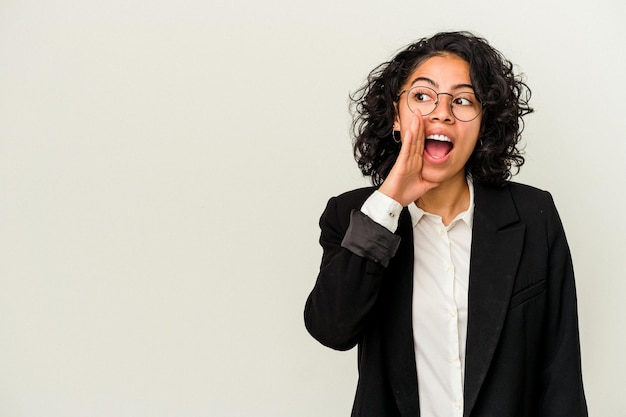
(456, 284)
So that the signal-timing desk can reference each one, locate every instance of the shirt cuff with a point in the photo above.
(383, 209)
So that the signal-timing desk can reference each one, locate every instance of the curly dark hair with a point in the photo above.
(503, 94)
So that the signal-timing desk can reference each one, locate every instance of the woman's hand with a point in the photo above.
(405, 183)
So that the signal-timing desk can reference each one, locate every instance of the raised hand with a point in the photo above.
(405, 183)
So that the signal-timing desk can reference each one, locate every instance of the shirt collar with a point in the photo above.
(466, 216)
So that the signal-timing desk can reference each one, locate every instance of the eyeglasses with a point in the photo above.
(464, 106)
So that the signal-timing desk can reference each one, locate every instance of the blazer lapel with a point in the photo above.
(496, 250)
(398, 328)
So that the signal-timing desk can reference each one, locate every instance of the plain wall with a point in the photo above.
(163, 165)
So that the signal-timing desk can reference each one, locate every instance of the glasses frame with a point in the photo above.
(437, 102)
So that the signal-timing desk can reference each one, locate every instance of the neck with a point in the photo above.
(446, 200)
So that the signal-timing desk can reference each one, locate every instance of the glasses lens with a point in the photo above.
(465, 106)
(423, 99)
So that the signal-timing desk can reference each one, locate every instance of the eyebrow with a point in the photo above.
(434, 84)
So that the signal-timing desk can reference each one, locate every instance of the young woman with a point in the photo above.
(456, 284)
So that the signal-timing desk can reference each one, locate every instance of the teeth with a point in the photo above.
(440, 138)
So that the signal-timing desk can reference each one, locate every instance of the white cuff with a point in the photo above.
(383, 210)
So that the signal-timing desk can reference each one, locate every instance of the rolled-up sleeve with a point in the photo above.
(370, 240)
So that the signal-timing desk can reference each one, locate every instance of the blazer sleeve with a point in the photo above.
(562, 393)
(356, 251)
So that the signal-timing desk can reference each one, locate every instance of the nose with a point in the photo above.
(443, 109)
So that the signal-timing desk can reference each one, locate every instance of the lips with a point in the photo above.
(438, 146)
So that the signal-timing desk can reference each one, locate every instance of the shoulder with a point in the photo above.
(529, 199)
(521, 195)
(340, 207)
(515, 202)
(523, 190)
(353, 199)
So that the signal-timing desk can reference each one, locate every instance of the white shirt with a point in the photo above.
(440, 299)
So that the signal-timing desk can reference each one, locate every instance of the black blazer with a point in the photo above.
(523, 352)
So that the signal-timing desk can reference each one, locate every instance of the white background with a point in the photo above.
(163, 165)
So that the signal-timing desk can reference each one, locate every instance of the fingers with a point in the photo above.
(417, 132)
(405, 145)
(404, 182)
(413, 140)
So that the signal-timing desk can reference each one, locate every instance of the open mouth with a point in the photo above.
(438, 146)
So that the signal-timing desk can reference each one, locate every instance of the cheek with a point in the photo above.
(473, 133)
(404, 118)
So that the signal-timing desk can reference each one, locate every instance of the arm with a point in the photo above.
(562, 391)
(356, 251)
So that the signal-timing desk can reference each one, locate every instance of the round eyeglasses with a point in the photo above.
(464, 106)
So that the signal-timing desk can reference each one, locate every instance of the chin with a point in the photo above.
(439, 176)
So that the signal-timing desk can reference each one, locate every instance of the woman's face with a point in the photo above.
(448, 141)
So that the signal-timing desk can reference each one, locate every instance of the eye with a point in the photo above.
(464, 99)
(423, 94)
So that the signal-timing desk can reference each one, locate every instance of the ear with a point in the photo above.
(396, 117)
